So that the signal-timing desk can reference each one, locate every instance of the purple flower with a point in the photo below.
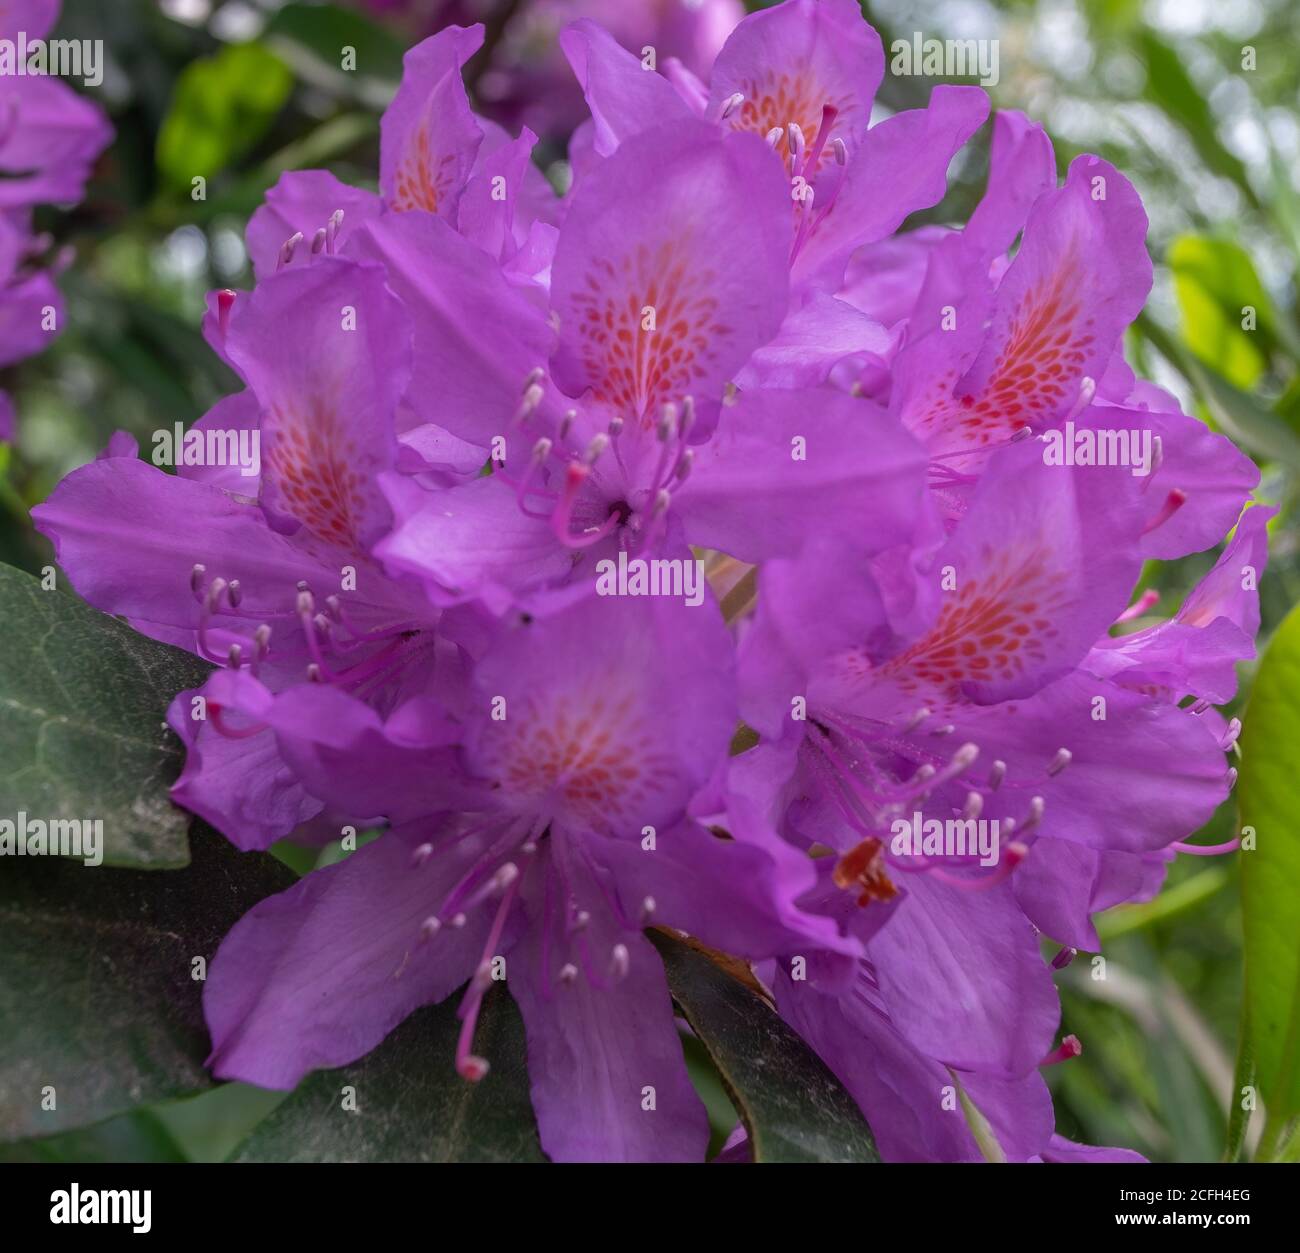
(49, 139)
(49, 135)
(669, 274)
(436, 157)
(271, 573)
(540, 821)
(31, 308)
(994, 351)
(802, 75)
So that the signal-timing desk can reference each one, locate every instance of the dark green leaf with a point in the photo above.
(794, 1109)
(1269, 797)
(411, 1105)
(134, 1137)
(97, 998)
(312, 39)
(82, 736)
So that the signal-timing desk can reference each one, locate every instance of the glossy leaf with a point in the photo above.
(793, 1107)
(82, 735)
(410, 1103)
(100, 1008)
(1269, 797)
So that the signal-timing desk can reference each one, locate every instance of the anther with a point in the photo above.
(841, 151)
(568, 972)
(731, 104)
(196, 578)
(566, 423)
(773, 136)
(313, 672)
(1059, 762)
(421, 855)
(1230, 735)
(917, 718)
(332, 228)
(318, 242)
(1064, 958)
(288, 248)
(618, 961)
(527, 406)
(599, 443)
(997, 772)
(233, 593)
(458, 920)
(236, 656)
(429, 928)
(306, 604)
(647, 909)
(794, 141)
(1087, 390)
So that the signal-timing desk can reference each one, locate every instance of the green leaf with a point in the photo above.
(221, 107)
(312, 39)
(1171, 88)
(1269, 797)
(133, 1137)
(83, 699)
(794, 1109)
(1214, 280)
(411, 1105)
(97, 994)
(1237, 413)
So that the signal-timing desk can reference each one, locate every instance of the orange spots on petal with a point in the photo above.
(318, 471)
(795, 95)
(649, 326)
(992, 629)
(588, 752)
(423, 178)
(1035, 375)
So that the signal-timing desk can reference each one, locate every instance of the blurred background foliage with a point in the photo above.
(238, 91)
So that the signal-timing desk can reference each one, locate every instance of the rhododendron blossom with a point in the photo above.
(696, 550)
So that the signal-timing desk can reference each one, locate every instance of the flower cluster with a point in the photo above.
(694, 550)
(49, 139)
